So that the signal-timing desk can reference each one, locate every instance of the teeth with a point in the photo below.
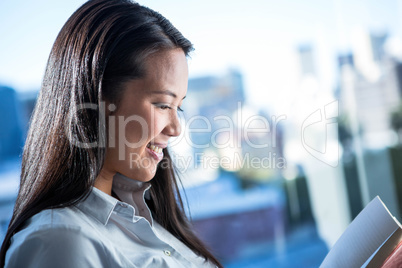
(156, 149)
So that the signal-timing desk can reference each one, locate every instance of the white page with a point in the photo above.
(363, 237)
(375, 252)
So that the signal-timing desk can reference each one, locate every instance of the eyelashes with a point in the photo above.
(163, 106)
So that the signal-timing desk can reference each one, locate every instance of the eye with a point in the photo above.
(162, 106)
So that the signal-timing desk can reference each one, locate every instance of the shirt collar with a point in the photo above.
(99, 205)
(124, 183)
(134, 193)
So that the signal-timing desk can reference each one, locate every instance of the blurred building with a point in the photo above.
(313, 135)
(15, 111)
(306, 55)
(217, 93)
(369, 91)
(370, 85)
(212, 96)
(220, 122)
(11, 130)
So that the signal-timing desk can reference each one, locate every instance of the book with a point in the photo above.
(372, 240)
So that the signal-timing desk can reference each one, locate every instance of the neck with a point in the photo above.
(104, 181)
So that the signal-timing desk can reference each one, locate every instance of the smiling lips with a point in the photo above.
(155, 151)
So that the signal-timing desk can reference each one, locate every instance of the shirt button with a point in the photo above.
(167, 252)
(123, 205)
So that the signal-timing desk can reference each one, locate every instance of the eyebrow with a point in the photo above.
(166, 92)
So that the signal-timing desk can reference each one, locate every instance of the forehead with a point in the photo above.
(167, 70)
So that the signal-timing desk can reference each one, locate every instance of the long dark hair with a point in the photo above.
(102, 45)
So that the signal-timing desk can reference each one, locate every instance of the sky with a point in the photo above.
(259, 38)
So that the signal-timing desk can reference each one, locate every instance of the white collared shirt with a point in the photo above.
(100, 231)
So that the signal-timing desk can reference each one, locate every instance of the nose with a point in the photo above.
(173, 129)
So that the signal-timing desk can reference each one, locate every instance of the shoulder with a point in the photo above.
(57, 222)
(56, 238)
(70, 219)
(56, 217)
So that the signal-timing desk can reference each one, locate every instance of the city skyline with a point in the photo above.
(259, 38)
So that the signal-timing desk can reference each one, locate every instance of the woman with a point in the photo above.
(97, 186)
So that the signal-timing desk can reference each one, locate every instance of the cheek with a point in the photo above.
(135, 131)
(159, 122)
(134, 126)
(123, 130)
(140, 127)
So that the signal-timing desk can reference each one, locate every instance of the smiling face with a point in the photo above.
(146, 117)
